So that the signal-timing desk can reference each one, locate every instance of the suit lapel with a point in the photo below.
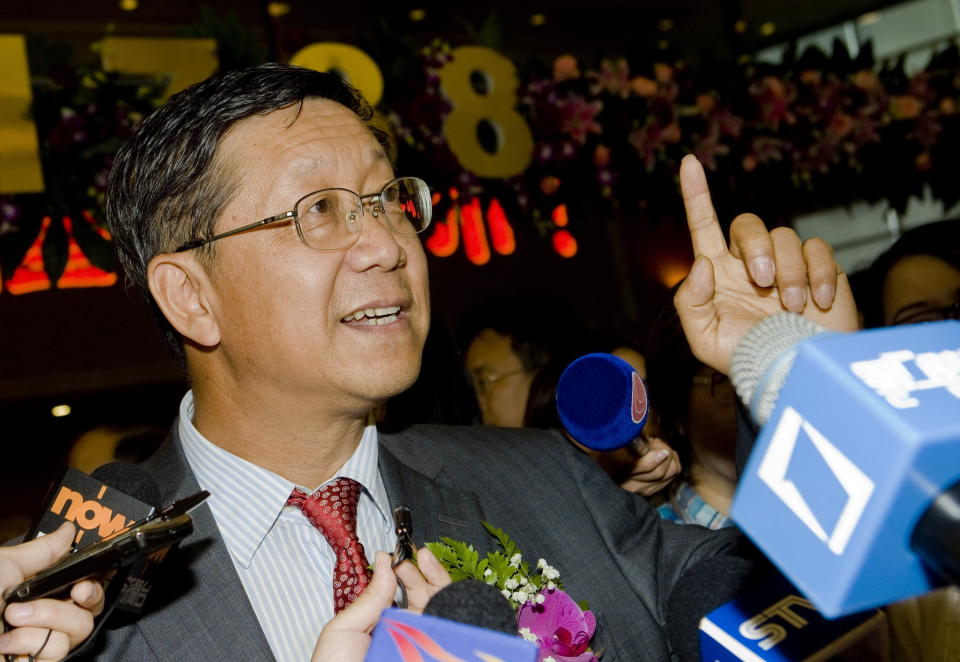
(409, 471)
(201, 593)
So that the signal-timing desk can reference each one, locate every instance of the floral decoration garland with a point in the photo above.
(814, 131)
(83, 114)
(546, 614)
(811, 132)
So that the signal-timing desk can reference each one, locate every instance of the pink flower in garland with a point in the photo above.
(774, 99)
(614, 78)
(562, 630)
(565, 68)
(578, 117)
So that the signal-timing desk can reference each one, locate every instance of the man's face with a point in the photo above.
(499, 378)
(287, 314)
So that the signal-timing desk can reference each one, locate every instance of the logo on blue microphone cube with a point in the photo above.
(865, 433)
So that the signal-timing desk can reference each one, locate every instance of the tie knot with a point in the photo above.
(332, 509)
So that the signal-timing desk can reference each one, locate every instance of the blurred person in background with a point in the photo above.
(696, 407)
(645, 466)
(918, 280)
(915, 280)
(114, 443)
(506, 341)
(442, 394)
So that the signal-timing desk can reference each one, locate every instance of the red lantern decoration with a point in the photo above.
(559, 216)
(79, 271)
(474, 234)
(31, 275)
(446, 236)
(501, 232)
(564, 243)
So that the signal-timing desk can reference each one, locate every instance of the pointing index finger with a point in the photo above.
(705, 232)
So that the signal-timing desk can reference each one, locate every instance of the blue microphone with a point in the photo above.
(853, 487)
(602, 402)
(774, 622)
(467, 620)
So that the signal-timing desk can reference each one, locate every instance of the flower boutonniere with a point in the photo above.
(546, 615)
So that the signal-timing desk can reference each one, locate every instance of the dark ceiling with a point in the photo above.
(599, 26)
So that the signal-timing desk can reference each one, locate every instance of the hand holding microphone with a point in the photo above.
(602, 403)
(45, 629)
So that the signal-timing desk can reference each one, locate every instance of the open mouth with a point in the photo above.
(373, 316)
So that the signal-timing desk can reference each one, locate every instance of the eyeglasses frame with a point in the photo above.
(949, 312)
(292, 214)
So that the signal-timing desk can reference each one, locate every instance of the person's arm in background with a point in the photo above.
(45, 629)
(346, 637)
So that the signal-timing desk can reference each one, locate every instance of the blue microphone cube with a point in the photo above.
(403, 636)
(865, 435)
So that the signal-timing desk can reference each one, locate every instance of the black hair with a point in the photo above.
(540, 326)
(940, 240)
(167, 187)
(671, 367)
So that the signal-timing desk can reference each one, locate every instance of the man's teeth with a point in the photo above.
(374, 316)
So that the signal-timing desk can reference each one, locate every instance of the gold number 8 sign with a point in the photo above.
(495, 105)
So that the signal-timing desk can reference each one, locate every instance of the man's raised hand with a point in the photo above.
(731, 288)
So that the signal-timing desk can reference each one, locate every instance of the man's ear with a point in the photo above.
(181, 288)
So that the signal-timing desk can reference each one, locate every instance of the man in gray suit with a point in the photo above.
(261, 217)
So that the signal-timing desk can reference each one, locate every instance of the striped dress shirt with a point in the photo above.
(284, 562)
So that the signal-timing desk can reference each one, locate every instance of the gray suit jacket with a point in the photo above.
(609, 546)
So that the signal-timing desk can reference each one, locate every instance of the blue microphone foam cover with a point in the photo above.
(602, 401)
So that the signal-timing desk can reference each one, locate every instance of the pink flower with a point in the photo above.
(774, 99)
(550, 185)
(663, 72)
(867, 80)
(578, 117)
(565, 68)
(601, 156)
(706, 102)
(643, 87)
(614, 78)
(562, 629)
(810, 76)
(905, 107)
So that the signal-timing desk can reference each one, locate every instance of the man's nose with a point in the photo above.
(377, 246)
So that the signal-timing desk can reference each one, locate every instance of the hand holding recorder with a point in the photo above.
(45, 629)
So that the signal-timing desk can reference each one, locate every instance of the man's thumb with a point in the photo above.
(694, 298)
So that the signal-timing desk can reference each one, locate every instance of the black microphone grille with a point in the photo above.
(474, 603)
(130, 479)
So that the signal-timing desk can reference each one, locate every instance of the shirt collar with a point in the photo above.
(247, 499)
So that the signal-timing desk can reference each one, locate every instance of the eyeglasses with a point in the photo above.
(483, 383)
(715, 380)
(330, 219)
(936, 314)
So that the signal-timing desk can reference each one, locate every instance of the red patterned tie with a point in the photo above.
(333, 510)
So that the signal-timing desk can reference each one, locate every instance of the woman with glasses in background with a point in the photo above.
(915, 280)
(918, 280)
(696, 408)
